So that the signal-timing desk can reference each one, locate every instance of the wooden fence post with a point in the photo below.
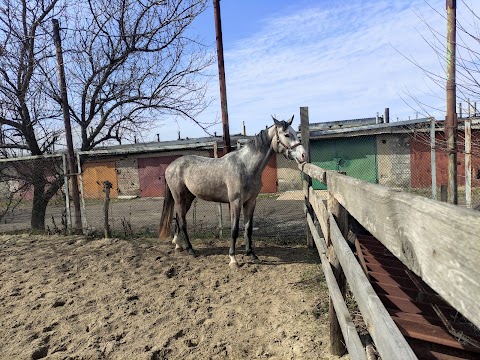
(433, 161)
(468, 160)
(337, 342)
(107, 185)
(219, 205)
(443, 193)
(305, 132)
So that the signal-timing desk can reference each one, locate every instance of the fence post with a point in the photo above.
(337, 342)
(107, 185)
(305, 132)
(219, 205)
(468, 158)
(67, 192)
(444, 193)
(68, 129)
(82, 197)
(433, 162)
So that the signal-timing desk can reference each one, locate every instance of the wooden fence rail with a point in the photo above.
(437, 241)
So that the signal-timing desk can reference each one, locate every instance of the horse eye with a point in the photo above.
(287, 135)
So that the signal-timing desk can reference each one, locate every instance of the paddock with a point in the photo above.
(68, 297)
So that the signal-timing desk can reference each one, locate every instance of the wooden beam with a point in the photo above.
(437, 241)
(319, 241)
(314, 172)
(387, 337)
(337, 343)
(305, 132)
(352, 339)
(308, 208)
(321, 212)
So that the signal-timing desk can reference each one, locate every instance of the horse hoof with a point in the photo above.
(178, 248)
(191, 252)
(233, 262)
(254, 259)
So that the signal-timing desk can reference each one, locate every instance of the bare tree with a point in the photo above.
(468, 58)
(28, 118)
(128, 63)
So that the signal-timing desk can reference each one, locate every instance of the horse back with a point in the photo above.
(206, 178)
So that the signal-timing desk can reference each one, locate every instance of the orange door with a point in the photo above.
(94, 174)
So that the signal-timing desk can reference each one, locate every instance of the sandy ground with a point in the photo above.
(71, 298)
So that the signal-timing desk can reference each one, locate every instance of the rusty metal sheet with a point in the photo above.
(426, 320)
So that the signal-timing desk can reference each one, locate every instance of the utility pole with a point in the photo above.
(68, 128)
(451, 118)
(221, 76)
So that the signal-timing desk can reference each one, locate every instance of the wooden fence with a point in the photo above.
(437, 241)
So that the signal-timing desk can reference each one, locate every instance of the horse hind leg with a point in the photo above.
(175, 241)
(235, 216)
(248, 209)
(182, 209)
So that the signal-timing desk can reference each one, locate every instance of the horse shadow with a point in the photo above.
(269, 254)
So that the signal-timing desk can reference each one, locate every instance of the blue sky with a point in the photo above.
(342, 59)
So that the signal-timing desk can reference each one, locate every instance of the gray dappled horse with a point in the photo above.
(234, 178)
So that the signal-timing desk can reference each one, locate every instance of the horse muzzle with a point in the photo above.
(298, 154)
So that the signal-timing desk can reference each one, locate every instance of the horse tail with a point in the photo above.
(167, 214)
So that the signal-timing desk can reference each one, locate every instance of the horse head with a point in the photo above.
(285, 141)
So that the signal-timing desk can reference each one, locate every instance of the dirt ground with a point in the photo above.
(72, 298)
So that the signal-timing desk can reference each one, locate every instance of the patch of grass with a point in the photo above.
(268, 196)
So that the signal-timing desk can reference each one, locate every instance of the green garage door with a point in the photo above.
(356, 156)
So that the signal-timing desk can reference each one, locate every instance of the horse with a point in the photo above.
(235, 178)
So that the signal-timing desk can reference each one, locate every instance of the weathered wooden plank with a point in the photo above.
(308, 208)
(314, 172)
(341, 217)
(305, 133)
(352, 339)
(319, 241)
(387, 337)
(320, 211)
(437, 241)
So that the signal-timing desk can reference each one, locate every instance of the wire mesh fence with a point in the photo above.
(32, 190)
(410, 156)
(139, 186)
(32, 194)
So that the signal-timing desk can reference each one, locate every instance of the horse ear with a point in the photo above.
(289, 122)
(275, 121)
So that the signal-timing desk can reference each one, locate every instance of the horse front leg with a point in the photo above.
(248, 210)
(235, 207)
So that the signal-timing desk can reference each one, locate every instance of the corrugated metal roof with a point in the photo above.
(198, 143)
(344, 123)
(405, 126)
(370, 129)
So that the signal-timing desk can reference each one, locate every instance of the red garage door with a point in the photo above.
(151, 172)
(269, 176)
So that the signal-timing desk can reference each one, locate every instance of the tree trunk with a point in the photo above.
(43, 191)
(40, 203)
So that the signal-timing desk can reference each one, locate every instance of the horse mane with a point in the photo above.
(261, 141)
